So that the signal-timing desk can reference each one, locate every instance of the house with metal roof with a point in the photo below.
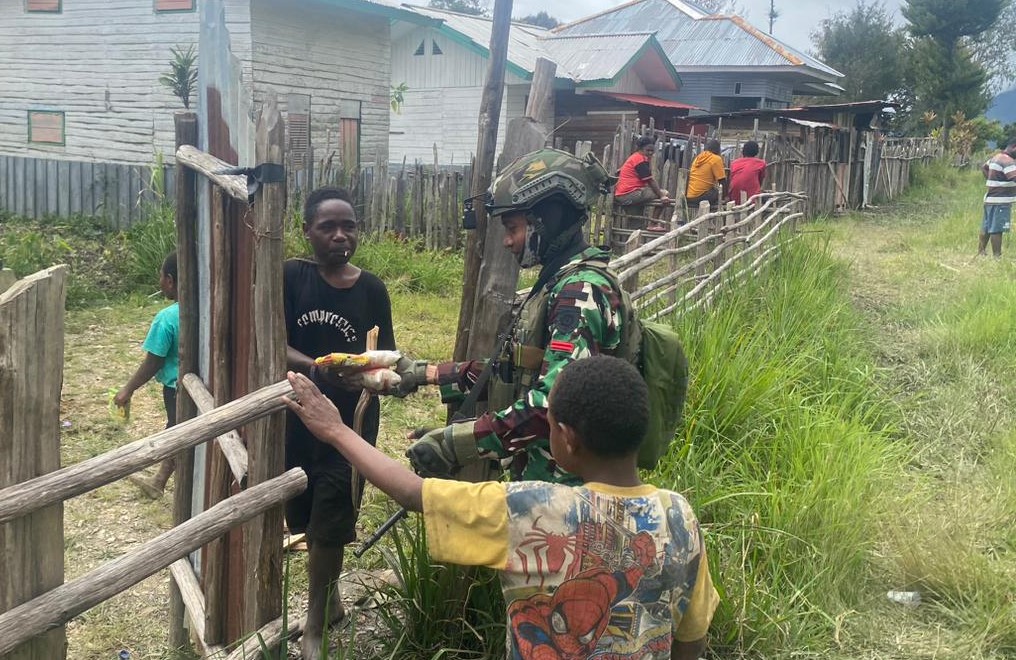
(725, 63)
(444, 67)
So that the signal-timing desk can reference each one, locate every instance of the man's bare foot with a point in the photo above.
(147, 486)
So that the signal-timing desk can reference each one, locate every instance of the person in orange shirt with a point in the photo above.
(635, 184)
(705, 175)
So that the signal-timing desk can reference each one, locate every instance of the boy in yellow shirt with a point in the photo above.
(614, 567)
(704, 175)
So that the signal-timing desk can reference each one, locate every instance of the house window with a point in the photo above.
(435, 49)
(54, 6)
(421, 49)
(737, 88)
(174, 5)
(298, 118)
(45, 127)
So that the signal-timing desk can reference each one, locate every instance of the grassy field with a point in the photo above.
(850, 431)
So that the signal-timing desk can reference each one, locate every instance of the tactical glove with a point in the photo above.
(413, 374)
(442, 452)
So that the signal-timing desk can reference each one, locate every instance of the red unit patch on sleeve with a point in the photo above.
(562, 346)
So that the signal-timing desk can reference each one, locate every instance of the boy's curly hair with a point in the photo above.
(606, 401)
(314, 199)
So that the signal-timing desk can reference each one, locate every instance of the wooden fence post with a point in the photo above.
(31, 374)
(186, 125)
(262, 546)
(703, 245)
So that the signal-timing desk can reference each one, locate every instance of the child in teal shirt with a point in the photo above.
(162, 361)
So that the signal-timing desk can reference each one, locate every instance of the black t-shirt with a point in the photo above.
(322, 319)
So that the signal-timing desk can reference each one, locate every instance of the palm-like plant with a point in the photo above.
(182, 77)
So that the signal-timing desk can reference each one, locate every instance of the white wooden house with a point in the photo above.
(444, 66)
(79, 80)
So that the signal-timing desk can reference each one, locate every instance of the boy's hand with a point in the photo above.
(123, 397)
(314, 409)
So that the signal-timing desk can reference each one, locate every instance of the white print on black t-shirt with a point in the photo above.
(324, 317)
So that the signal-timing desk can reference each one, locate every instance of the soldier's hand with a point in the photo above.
(413, 374)
(442, 452)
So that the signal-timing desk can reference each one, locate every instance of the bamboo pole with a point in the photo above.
(68, 482)
(62, 604)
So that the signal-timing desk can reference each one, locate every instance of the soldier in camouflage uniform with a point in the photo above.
(542, 199)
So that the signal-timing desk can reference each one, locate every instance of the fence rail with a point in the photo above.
(685, 267)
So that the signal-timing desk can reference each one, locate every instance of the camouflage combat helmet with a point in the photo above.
(542, 174)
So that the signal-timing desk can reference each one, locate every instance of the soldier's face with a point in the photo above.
(514, 232)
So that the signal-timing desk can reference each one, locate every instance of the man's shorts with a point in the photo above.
(640, 196)
(997, 218)
(328, 510)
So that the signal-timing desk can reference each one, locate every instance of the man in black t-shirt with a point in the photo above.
(330, 306)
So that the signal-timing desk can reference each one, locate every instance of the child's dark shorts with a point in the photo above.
(328, 510)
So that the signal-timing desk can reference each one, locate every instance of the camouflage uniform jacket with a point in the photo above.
(583, 317)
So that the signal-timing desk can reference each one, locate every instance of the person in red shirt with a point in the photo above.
(746, 173)
(635, 184)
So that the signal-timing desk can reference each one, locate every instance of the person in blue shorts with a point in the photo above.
(162, 361)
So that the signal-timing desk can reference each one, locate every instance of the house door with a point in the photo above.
(349, 130)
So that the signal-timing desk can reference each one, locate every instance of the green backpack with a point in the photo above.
(657, 352)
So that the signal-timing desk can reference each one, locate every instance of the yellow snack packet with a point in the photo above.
(119, 414)
(342, 361)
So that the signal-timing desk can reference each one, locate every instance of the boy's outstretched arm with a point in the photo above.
(145, 372)
(321, 418)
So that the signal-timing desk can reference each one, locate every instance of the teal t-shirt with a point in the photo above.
(163, 340)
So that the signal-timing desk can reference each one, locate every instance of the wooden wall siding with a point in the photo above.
(458, 66)
(698, 89)
(447, 118)
(42, 5)
(37, 187)
(99, 61)
(333, 56)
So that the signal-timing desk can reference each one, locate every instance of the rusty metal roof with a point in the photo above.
(704, 43)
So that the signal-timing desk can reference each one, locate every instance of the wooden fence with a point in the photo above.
(687, 266)
(39, 187)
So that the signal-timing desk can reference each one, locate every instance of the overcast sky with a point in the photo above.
(797, 21)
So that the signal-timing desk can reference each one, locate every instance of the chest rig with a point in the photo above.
(524, 342)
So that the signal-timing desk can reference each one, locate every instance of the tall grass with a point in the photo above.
(788, 444)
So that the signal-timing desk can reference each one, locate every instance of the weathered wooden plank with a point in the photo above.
(20, 196)
(31, 341)
(24, 498)
(186, 129)
(63, 603)
(124, 198)
(52, 187)
(215, 556)
(4, 183)
(262, 552)
(229, 443)
(38, 198)
(63, 188)
(207, 165)
(74, 188)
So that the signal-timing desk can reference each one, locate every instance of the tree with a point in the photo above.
(865, 45)
(474, 7)
(943, 73)
(540, 19)
(995, 50)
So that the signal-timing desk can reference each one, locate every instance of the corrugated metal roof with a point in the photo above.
(713, 41)
(523, 41)
(595, 57)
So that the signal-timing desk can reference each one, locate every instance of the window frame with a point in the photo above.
(193, 8)
(63, 126)
(58, 10)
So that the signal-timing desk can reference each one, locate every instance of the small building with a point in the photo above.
(726, 64)
(79, 83)
(444, 67)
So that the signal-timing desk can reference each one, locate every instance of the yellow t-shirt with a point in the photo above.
(706, 171)
(586, 569)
